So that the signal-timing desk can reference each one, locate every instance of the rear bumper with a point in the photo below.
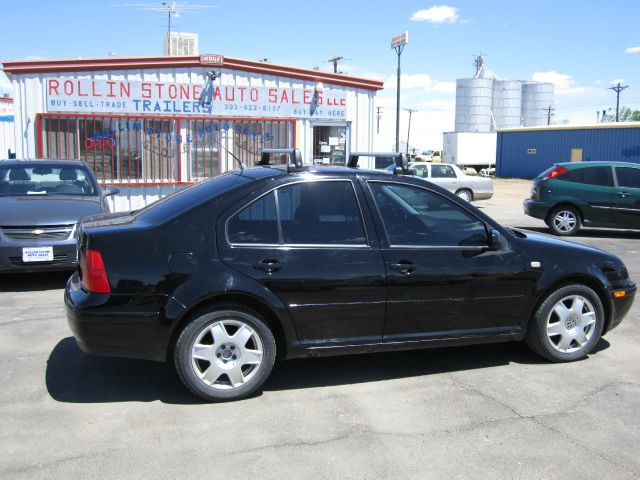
(482, 194)
(100, 327)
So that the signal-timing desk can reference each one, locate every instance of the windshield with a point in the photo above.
(46, 179)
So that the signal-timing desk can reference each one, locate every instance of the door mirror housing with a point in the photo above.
(495, 239)
(110, 190)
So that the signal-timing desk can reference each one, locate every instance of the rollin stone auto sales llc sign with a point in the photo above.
(178, 99)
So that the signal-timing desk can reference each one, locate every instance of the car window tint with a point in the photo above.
(415, 216)
(420, 171)
(589, 176)
(442, 171)
(628, 177)
(256, 223)
(320, 213)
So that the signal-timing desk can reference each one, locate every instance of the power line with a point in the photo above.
(618, 89)
(410, 110)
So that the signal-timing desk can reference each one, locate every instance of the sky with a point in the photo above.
(583, 47)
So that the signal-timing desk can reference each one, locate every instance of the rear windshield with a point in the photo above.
(45, 179)
(183, 200)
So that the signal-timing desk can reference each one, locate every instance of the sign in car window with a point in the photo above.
(168, 98)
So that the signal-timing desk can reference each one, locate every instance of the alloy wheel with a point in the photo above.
(571, 324)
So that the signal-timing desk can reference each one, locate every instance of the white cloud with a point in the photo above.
(616, 81)
(632, 50)
(563, 83)
(419, 81)
(436, 14)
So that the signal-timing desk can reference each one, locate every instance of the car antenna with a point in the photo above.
(243, 167)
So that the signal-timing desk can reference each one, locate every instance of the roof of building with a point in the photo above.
(17, 67)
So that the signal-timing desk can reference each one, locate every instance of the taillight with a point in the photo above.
(556, 172)
(94, 275)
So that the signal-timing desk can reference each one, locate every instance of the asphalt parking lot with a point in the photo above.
(493, 411)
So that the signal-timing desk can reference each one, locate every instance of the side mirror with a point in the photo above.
(110, 190)
(495, 239)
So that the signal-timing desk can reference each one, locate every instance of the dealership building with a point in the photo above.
(150, 125)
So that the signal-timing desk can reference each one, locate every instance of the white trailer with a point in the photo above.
(470, 149)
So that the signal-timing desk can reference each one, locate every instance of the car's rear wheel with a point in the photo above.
(225, 353)
(465, 194)
(564, 220)
(567, 325)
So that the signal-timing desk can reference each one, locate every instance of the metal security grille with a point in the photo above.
(153, 150)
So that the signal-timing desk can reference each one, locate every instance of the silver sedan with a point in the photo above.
(468, 187)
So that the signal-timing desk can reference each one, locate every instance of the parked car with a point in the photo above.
(597, 194)
(41, 203)
(450, 177)
(276, 262)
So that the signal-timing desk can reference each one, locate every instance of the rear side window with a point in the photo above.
(589, 176)
(442, 171)
(320, 213)
(628, 177)
(256, 223)
(308, 213)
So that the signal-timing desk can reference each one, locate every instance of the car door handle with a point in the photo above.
(623, 194)
(405, 267)
(268, 265)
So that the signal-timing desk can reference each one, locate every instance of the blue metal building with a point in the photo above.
(526, 152)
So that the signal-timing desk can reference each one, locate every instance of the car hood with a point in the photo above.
(33, 211)
(540, 242)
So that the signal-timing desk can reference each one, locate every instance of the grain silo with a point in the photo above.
(536, 100)
(474, 97)
(507, 103)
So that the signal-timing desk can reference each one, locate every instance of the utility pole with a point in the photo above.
(378, 115)
(618, 89)
(335, 61)
(550, 113)
(398, 43)
(410, 110)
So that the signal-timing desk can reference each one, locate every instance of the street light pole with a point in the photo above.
(397, 43)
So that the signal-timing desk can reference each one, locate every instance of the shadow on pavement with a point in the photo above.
(75, 377)
(33, 282)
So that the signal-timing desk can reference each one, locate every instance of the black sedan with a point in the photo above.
(275, 262)
(41, 203)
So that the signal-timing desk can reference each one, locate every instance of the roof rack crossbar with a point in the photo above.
(400, 159)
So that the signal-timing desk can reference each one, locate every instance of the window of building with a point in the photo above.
(121, 149)
(329, 144)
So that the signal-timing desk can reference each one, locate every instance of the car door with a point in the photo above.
(308, 243)
(442, 280)
(445, 176)
(625, 206)
(592, 188)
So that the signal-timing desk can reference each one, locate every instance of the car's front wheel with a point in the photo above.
(567, 325)
(225, 353)
(564, 220)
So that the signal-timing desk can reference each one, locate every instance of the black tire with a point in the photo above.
(564, 220)
(465, 194)
(226, 364)
(557, 336)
